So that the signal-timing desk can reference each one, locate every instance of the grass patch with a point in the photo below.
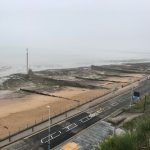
(136, 139)
(131, 125)
(124, 142)
(140, 105)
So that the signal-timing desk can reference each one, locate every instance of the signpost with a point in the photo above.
(135, 96)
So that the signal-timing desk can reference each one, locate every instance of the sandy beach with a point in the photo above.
(32, 107)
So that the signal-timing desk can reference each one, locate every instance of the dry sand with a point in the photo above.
(18, 113)
(118, 82)
(123, 79)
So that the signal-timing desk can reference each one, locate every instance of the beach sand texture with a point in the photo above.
(18, 113)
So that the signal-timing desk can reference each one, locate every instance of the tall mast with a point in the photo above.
(27, 62)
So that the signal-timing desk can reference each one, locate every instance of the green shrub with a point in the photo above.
(123, 142)
(143, 132)
(136, 139)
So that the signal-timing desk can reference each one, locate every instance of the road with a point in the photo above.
(67, 129)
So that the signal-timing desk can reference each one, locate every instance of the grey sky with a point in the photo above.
(64, 27)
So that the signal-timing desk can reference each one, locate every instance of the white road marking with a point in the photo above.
(54, 135)
(50, 137)
(107, 108)
(46, 139)
(85, 119)
(122, 100)
(114, 104)
(70, 127)
(93, 115)
(96, 113)
(100, 110)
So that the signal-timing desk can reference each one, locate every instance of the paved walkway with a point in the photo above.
(89, 138)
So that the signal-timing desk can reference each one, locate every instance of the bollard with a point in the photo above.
(144, 105)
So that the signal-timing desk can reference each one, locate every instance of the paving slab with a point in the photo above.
(89, 138)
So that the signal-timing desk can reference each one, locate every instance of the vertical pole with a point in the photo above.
(9, 136)
(27, 62)
(144, 104)
(49, 128)
(114, 130)
(131, 97)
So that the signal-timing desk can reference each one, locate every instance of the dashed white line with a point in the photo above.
(54, 135)
(50, 137)
(114, 104)
(70, 127)
(46, 139)
(85, 119)
(122, 100)
(107, 108)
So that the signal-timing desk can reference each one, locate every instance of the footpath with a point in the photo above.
(89, 138)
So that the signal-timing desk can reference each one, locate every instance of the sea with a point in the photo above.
(17, 64)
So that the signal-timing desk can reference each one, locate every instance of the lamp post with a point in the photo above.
(49, 126)
(131, 97)
(27, 61)
(144, 104)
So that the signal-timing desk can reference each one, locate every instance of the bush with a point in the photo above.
(143, 132)
(136, 139)
(123, 142)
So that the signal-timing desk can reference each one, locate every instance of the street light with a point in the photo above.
(27, 55)
(49, 126)
(131, 100)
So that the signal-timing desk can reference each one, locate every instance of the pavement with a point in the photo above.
(69, 128)
(88, 139)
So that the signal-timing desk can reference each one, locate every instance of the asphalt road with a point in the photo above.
(69, 128)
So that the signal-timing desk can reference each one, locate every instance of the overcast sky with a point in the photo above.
(73, 27)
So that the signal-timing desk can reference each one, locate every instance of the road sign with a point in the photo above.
(135, 96)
